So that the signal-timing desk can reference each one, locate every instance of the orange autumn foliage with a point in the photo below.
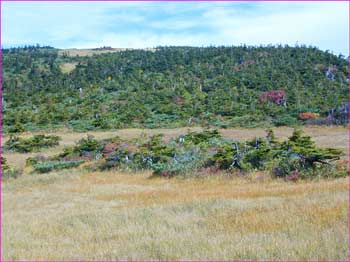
(308, 115)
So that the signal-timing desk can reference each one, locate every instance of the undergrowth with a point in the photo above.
(31, 144)
(190, 154)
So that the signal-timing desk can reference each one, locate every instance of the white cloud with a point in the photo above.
(148, 24)
(145, 39)
(320, 24)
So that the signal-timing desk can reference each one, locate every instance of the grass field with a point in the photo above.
(77, 214)
(73, 52)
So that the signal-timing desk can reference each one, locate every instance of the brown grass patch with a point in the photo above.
(325, 215)
(171, 191)
(280, 218)
(72, 52)
(111, 215)
(256, 220)
(68, 67)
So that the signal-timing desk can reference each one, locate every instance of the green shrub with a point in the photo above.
(260, 153)
(184, 162)
(81, 125)
(130, 156)
(300, 153)
(89, 144)
(4, 165)
(295, 158)
(199, 138)
(285, 120)
(45, 167)
(35, 143)
(88, 147)
(297, 154)
(221, 124)
(68, 151)
(158, 150)
(101, 123)
(161, 120)
(31, 161)
(118, 158)
(229, 156)
(17, 128)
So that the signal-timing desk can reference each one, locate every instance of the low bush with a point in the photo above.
(45, 167)
(31, 161)
(296, 155)
(188, 154)
(184, 162)
(121, 157)
(31, 144)
(16, 128)
(88, 148)
(299, 153)
(81, 125)
(200, 138)
(285, 120)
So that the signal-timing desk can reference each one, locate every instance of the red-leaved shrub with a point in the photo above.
(276, 96)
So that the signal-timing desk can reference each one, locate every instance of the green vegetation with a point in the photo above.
(87, 148)
(31, 144)
(195, 154)
(170, 87)
(45, 167)
(7, 171)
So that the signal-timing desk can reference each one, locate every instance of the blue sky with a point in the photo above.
(150, 24)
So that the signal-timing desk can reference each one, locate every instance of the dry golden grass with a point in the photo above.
(111, 215)
(89, 52)
(163, 191)
(76, 214)
(68, 67)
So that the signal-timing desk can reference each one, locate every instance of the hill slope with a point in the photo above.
(169, 86)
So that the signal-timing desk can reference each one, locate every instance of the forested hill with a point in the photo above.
(170, 86)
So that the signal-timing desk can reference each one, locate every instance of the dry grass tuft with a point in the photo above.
(68, 67)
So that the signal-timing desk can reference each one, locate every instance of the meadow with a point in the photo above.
(80, 214)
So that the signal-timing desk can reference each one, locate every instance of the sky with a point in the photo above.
(150, 24)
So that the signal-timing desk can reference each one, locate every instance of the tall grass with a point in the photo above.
(111, 215)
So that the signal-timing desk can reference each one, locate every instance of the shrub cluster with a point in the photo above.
(276, 96)
(48, 166)
(297, 157)
(87, 148)
(31, 144)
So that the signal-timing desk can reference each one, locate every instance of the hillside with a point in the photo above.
(45, 87)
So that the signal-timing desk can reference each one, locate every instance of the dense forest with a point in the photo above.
(171, 87)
